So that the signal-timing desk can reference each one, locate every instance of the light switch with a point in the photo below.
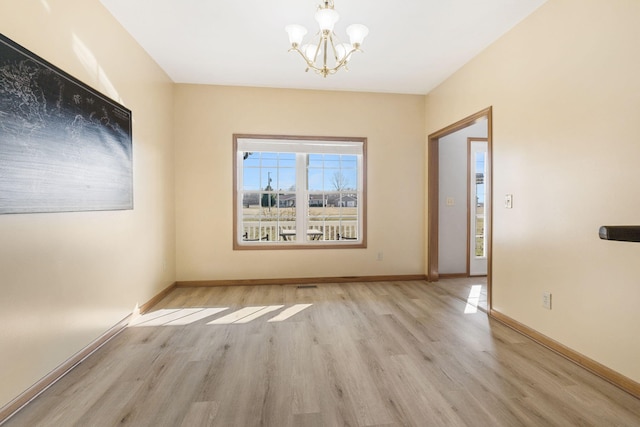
(450, 201)
(508, 201)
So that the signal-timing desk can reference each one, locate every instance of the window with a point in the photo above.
(480, 219)
(299, 192)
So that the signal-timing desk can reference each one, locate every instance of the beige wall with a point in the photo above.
(67, 278)
(205, 119)
(565, 93)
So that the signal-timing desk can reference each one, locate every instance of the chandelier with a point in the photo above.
(324, 53)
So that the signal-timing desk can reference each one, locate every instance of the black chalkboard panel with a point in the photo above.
(63, 145)
(623, 233)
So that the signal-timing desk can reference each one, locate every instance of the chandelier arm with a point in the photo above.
(333, 47)
(309, 63)
(343, 61)
(313, 60)
(324, 54)
(348, 55)
(315, 54)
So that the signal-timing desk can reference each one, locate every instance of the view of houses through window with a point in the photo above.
(479, 208)
(293, 191)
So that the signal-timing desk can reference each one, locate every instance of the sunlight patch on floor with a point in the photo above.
(238, 315)
(473, 299)
(245, 315)
(186, 316)
(289, 312)
(175, 316)
(194, 317)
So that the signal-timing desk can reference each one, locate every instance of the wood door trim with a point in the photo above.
(433, 209)
(433, 192)
(468, 207)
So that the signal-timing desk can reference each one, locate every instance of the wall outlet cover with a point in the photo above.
(508, 201)
(546, 300)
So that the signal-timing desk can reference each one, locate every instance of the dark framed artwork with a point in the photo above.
(63, 145)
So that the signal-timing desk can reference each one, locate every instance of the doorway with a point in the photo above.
(436, 212)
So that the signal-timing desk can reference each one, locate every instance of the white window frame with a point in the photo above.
(302, 146)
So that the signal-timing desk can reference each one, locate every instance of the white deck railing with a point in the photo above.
(270, 231)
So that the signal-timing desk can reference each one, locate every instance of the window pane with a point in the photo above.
(269, 160)
(251, 179)
(337, 218)
(286, 179)
(332, 173)
(337, 180)
(333, 207)
(332, 164)
(251, 214)
(315, 160)
(480, 248)
(287, 160)
(349, 162)
(317, 212)
(267, 202)
(269, 171)
(315, 179)
(348, 216)
(250, 200)
(315, 172)
(285, 218)
(251, 159)
(265, 216)
(268, 178)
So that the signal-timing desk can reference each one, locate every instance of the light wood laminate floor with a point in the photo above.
(472, 290)
(360, 354)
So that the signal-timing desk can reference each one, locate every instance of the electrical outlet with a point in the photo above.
(508, 201)
(380, 256)
(546, 300)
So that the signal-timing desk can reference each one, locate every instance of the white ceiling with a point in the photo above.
(413, 45)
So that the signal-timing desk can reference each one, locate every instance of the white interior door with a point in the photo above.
(479, 207)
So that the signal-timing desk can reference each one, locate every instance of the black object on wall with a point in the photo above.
(622, 233)
(63, 145)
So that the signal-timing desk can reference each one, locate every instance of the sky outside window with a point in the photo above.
(259, 168)
(332, 172)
